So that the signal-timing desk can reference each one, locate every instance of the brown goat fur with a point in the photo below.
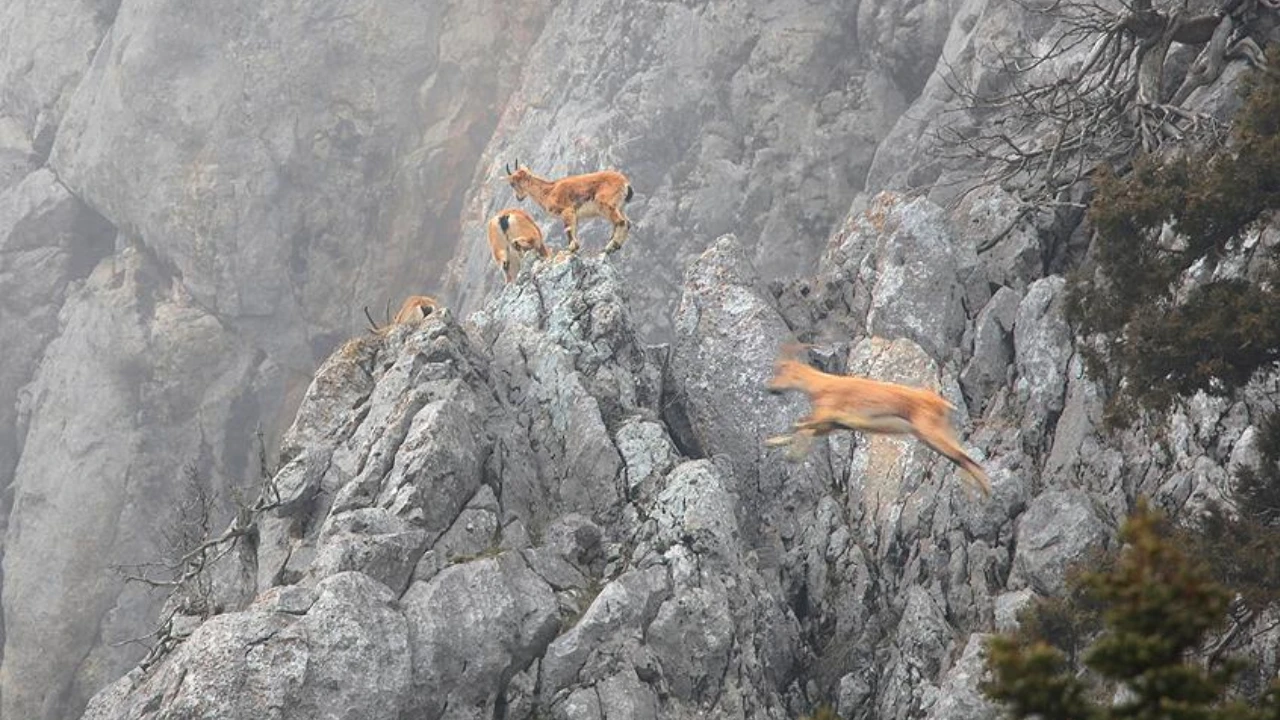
(512, 233)
(598, 194)
(858, 403)
(414, 309)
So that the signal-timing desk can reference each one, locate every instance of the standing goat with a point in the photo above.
(414, 309)
(858, 403)
(598, 194)
(512, 233)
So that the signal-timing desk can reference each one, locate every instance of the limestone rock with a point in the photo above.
(346, 656)
(1059, 528)
(472, 626)
(959, 697)
(251, 145)
(907, 273)
(1042, 348)
(993, 350)
(95, 486)
(711, 110)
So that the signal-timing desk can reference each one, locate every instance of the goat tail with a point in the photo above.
(977, 476)
(630, 192)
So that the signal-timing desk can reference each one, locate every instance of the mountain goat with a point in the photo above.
(859, 403)
(598, 194)
(414, 309)
(512, 232)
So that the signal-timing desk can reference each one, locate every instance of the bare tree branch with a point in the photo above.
(190, 550)
(1053, 119)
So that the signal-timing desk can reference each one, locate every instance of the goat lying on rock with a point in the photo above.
(414, 309)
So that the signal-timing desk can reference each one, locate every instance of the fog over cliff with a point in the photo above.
(550, 500)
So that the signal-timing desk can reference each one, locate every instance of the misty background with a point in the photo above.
(198, 200)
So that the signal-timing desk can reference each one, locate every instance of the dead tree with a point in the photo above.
(189, 548)
(1093, 91)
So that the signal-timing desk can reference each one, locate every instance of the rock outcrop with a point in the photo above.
(549, 518)
(524, 507)
(727, 117)
(194, 206)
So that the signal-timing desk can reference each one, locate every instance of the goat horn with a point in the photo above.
(507, 167)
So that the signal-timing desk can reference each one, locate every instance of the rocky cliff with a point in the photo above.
(759, 120)
(530, 513)
(533, 514)
(195, 204)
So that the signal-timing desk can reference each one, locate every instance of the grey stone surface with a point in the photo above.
(1008, 605)
(899, 263)
(1042, 345)
(17, 157)
(959, 697)
(729, 117)
(196, 202)
(471, 627)
(584, 532)
(273, 165)
(109, 424)
(993, 350)
(262, 140)
(48, 47)
(923, 639)
(648, 454)
(626, 606)
(1060, 527)
(48, 240)
(1001, 230)
(724, 313)
(346, 656)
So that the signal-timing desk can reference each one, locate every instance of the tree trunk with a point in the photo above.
(1151, 56)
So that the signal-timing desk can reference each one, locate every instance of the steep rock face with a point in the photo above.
(47, 49)
(726, 117)
(260, 172)
(728, 334)
(105, 401)
(340, 650)
(581, 596)
(285, 151)
(575, 525)
(48, 239)
(284, 167)
(615, 575)
(256, 173)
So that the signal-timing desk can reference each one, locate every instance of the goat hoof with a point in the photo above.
(612, 248)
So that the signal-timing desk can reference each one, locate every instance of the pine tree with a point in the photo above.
(1158, 607)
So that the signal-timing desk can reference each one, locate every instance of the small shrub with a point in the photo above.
(584, 601)
(1214, 341)
(1239, 551)
(1224, 330)
(1067, 623)
(1258, 490)
(1159, 605)
(823, 712)
(1240, 546)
